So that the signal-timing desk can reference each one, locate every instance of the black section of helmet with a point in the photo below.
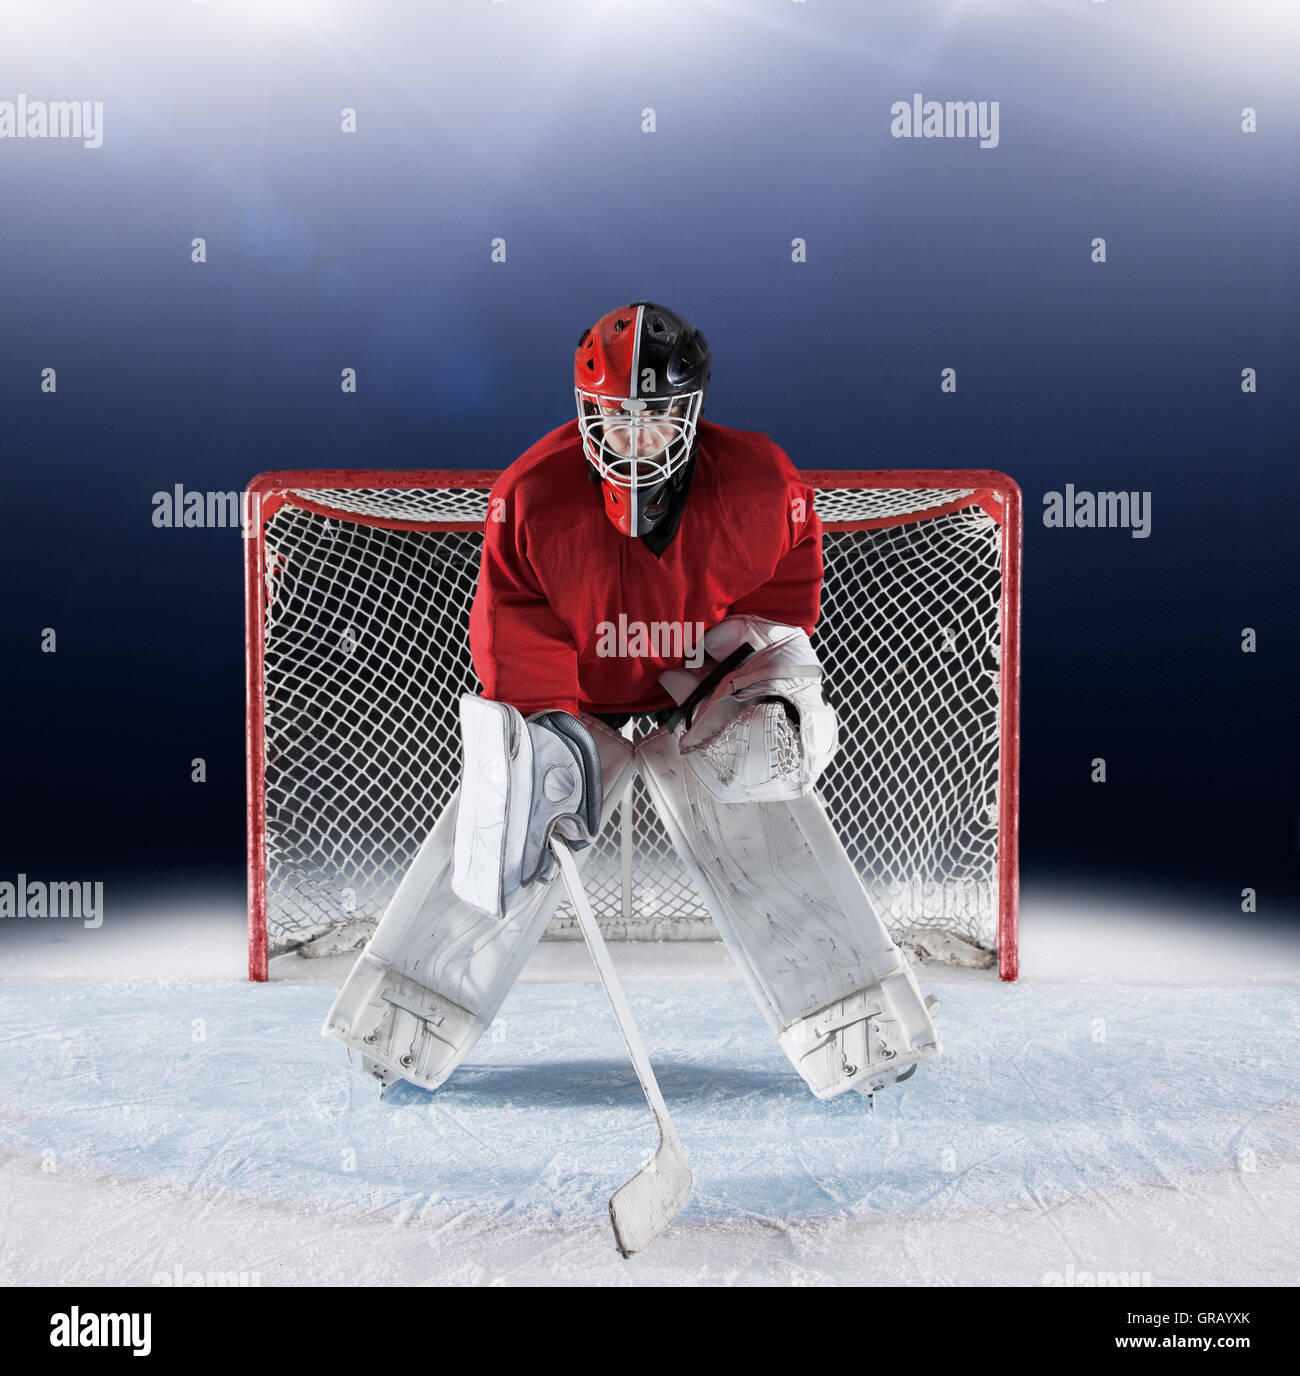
(676, 351)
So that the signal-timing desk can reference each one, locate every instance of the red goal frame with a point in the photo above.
(994, 491)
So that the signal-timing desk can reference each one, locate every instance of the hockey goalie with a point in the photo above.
(641, 561)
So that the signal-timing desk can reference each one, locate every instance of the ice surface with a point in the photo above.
(1130, 1122)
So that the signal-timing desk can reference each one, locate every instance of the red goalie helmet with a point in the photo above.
(640, 377)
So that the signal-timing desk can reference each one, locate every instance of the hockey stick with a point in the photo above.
(648, 1203)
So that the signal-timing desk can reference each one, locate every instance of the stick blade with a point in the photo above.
(648, 1203)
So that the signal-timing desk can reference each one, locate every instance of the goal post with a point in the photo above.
(357, 594)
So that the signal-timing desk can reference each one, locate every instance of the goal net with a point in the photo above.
(358, 594)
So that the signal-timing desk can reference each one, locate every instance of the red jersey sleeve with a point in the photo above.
(792, 595)
(521, 650)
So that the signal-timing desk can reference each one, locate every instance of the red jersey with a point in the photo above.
(561, 592)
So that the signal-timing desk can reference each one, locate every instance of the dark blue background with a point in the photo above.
(523, 120)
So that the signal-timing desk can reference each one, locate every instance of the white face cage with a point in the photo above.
(637, 442)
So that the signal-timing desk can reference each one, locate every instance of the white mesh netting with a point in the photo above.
(366, 653)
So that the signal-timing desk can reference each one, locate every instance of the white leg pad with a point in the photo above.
(434, 974)
(836, 990)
